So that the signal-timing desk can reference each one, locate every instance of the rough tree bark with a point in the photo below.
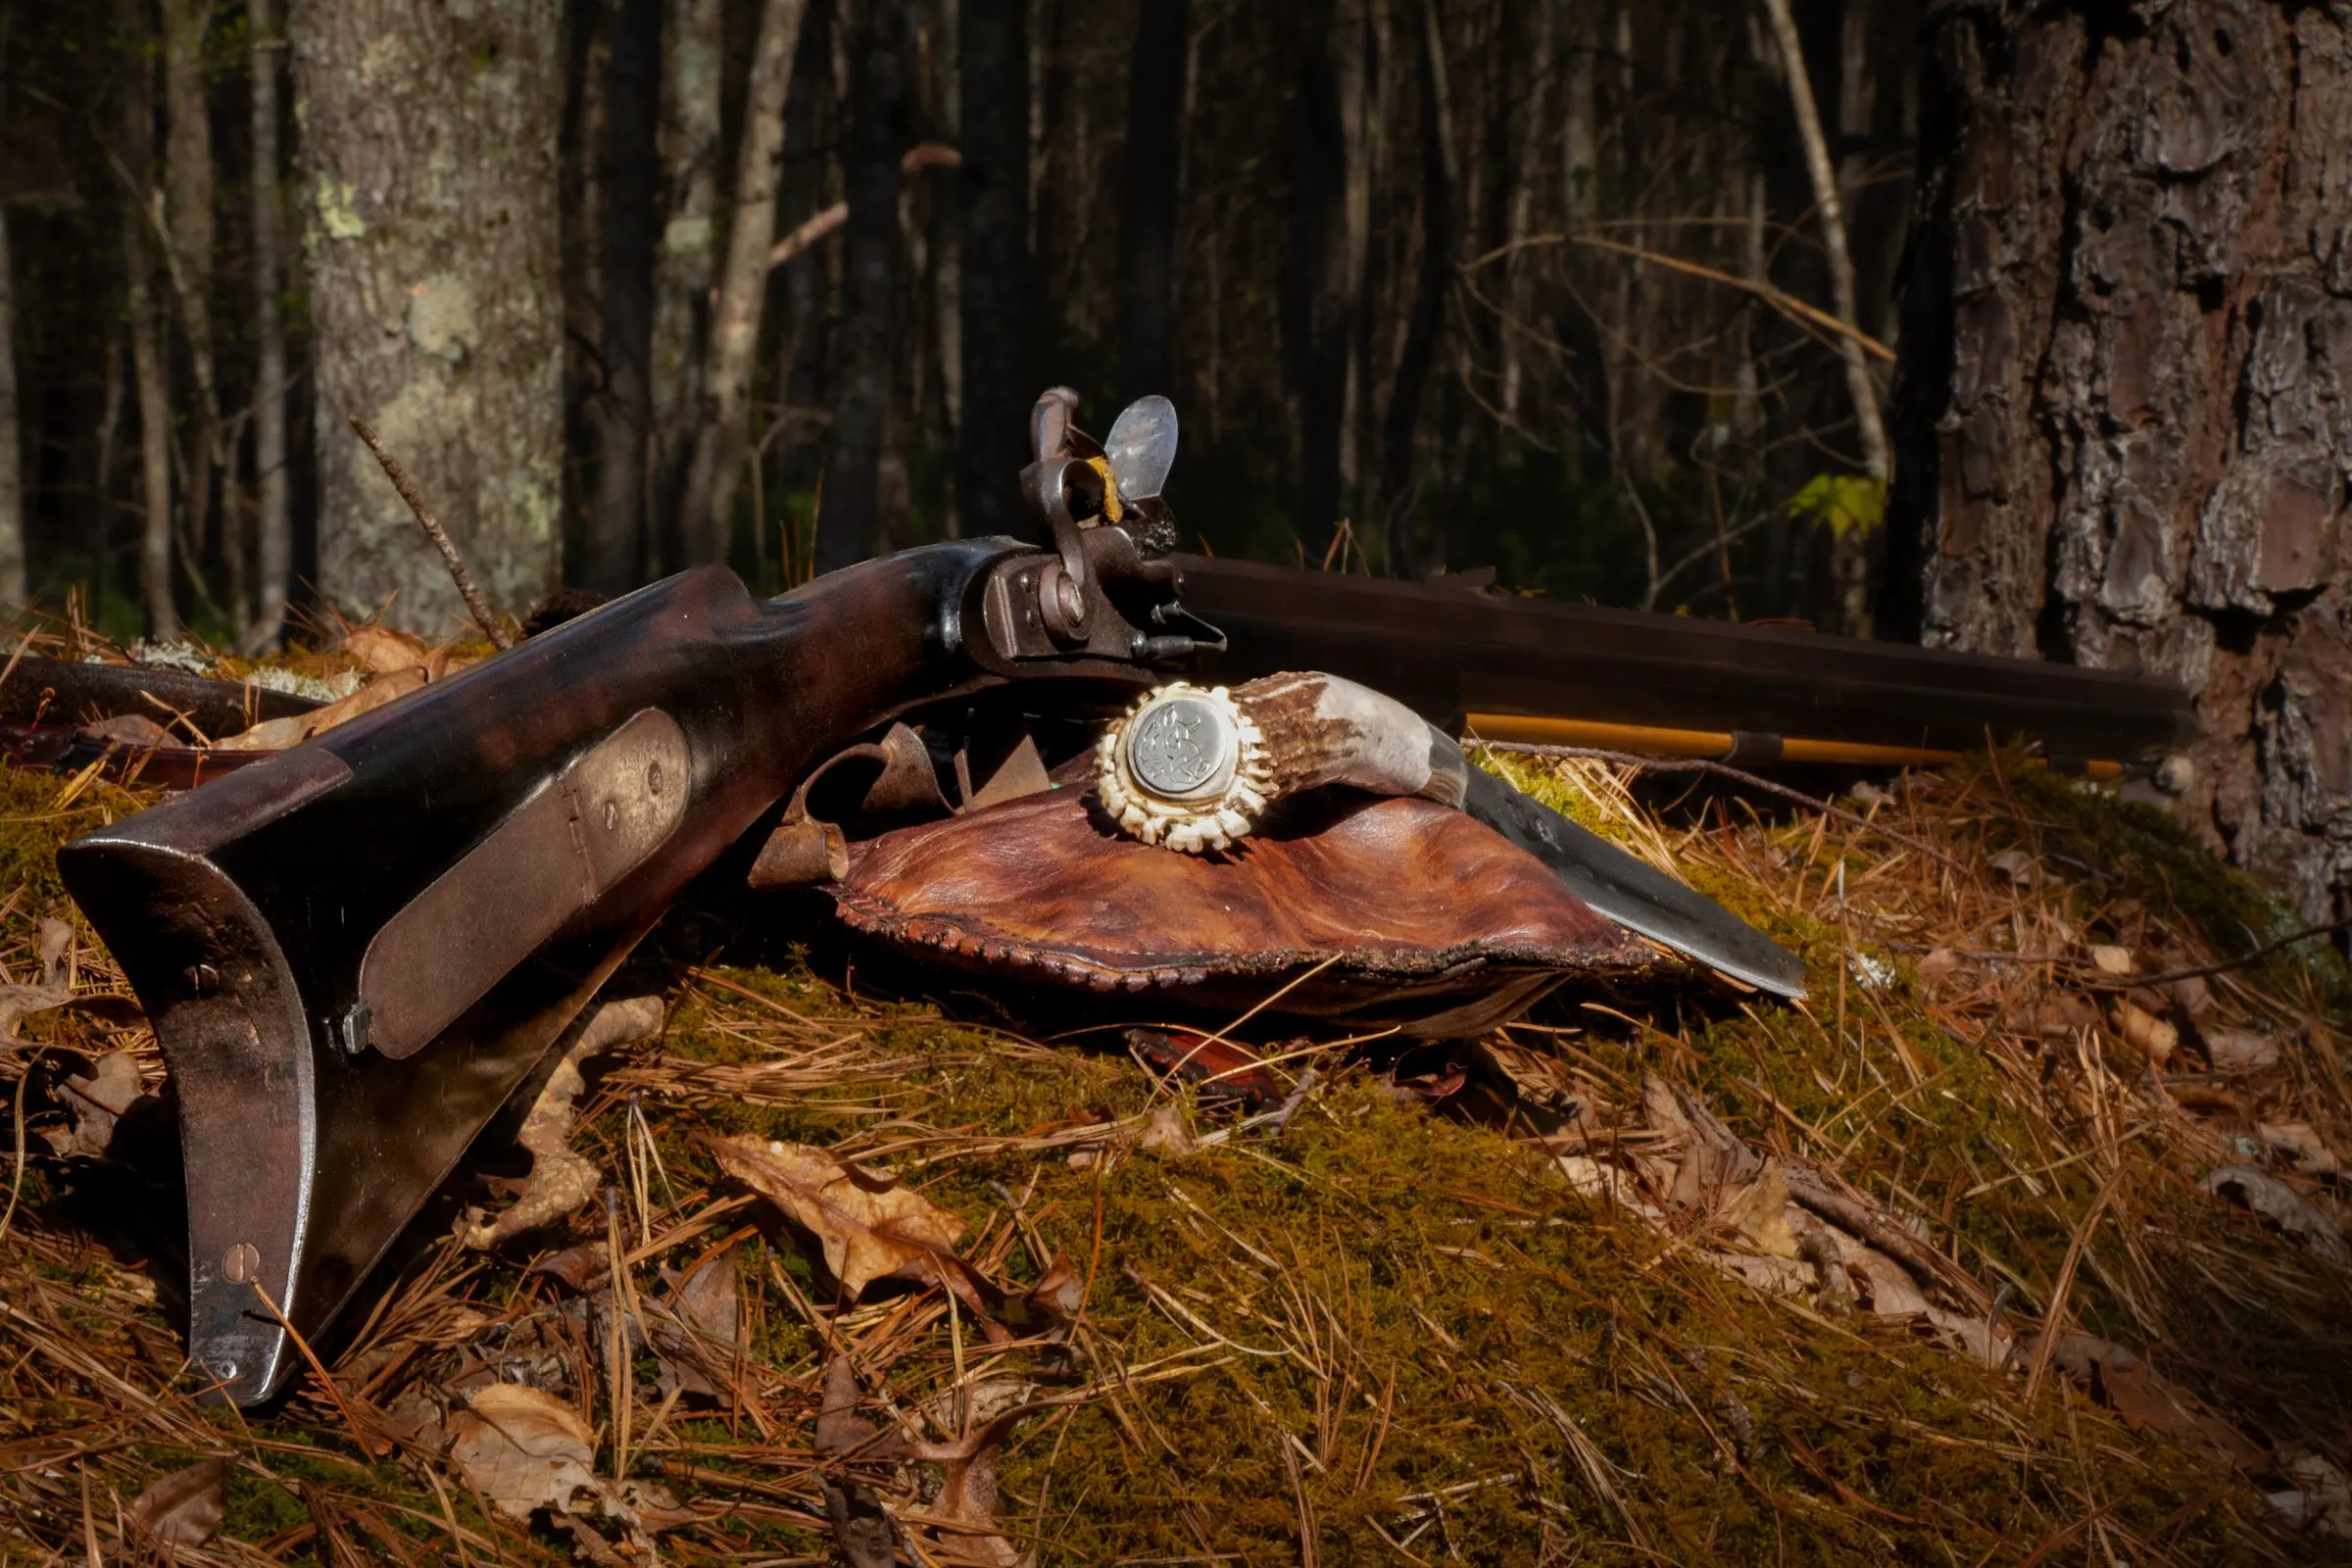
(1155, 83)
(430, 146)
(851, 524)
(998, 282)
(714, 473)
(622, 411)
(274, 531)
(2126, 400)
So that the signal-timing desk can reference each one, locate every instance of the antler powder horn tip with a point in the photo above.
(1194, 768)
(1185, 768)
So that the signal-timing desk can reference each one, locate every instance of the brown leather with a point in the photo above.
(1423, 913)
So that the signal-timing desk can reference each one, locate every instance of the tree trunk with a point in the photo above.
(1405, 553)
(188, 223)
(997, 281)
(146, 352)
(716, 472)
(812, 138)
(12, 457)
(2127, 384)
(1317, 313)
(1532, 127)
(1360, 63)
(1831, 209)
(633, 224)
(945, 197)
(274, 525)
(851, 524)
(690, 152)
(429, 140)
(1148, 197)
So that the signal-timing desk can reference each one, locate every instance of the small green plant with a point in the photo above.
(1843, 502)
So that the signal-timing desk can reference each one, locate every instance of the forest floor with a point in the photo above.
(2014, 1244)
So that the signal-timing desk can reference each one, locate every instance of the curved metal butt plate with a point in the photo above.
(230, 1020)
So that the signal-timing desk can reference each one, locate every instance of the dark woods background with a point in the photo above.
(1436, 284)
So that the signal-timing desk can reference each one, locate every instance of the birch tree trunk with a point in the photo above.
(430, 190)
(2127, 384)
(1831, 210)
(714, 473)
(274, 531)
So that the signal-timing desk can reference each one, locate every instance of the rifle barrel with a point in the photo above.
(1504, 667)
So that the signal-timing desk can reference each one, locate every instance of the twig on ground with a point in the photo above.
(476, 605)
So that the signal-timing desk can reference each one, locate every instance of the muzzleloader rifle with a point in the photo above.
(357, 951)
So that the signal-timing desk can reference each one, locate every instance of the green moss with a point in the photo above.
(1428, 1294)
(2126, 848)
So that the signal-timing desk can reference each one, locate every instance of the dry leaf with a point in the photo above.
(2146, 1034)
(580, 1267)
(523, 1450)
(2062, 1015)
(1165, 1131)
(860, 1528)
(965, 1511)
(2240, 1050)
(1882, 1288)
(2265, 1195)
(20, 1002)
(270, 735)
(2323, 1496)
(1714, 1161)
(870, 1227)
(562, 1182)
(609, 1026)
(135, 730)
(185, 1507)
(1760, 1215)
(2190, 993)
(2018, 866)
(1940, 964)
(279, 733)
(1060, 1294)
(2303, 1148)
(840, 1429)
(1589, 1178)
(2121, 1381)
(694, 1334)
(383, 650)
(2112, 960)
(96, 1102)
